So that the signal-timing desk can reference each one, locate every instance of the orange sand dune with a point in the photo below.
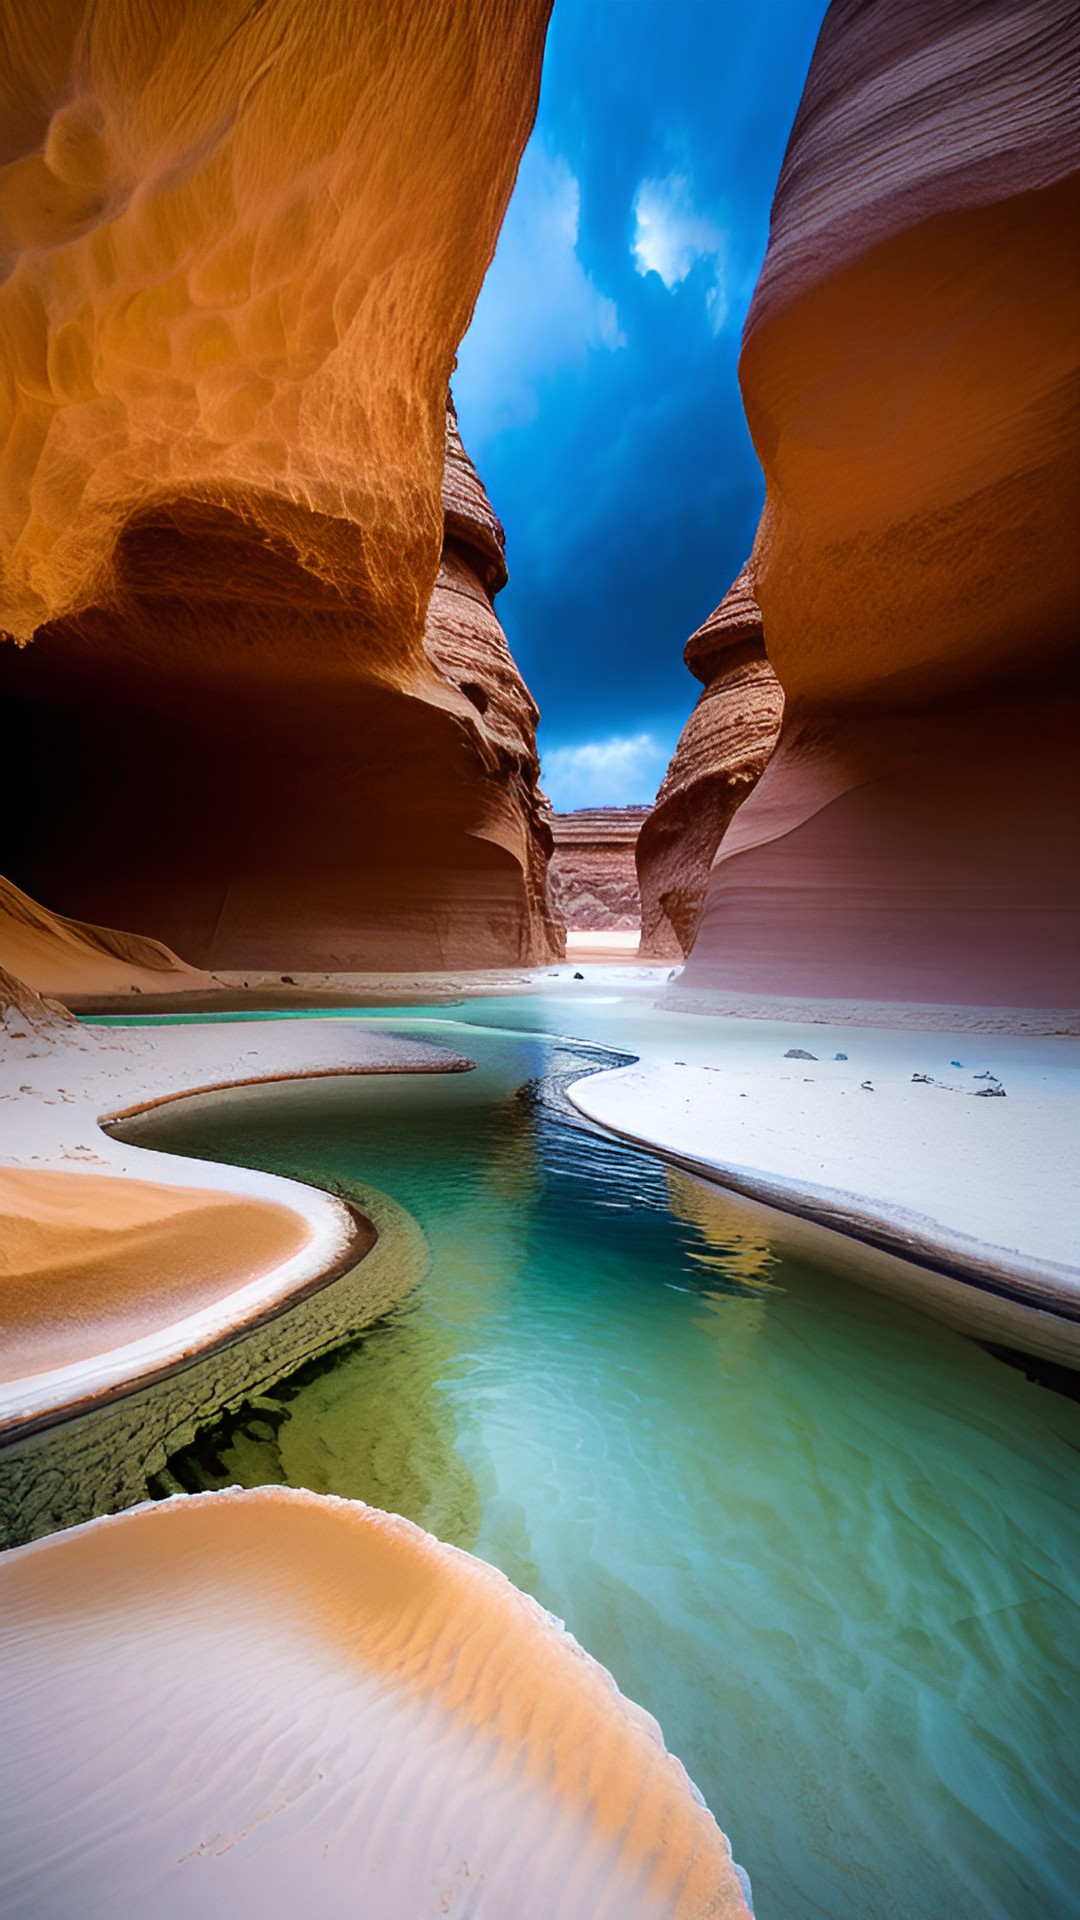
(314, 1707)
(55, 956)
(88, 1263)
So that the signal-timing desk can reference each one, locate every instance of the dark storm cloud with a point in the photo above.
(597, 387)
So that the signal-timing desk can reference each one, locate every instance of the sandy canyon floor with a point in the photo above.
(876, 1148)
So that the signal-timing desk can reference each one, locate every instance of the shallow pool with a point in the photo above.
(829, 1543)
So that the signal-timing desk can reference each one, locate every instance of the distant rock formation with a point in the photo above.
(592, 879)
(496, 713)
(722, 751)
(909, 370)
(241, 245)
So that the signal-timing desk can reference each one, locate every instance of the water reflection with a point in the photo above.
(825, 1540)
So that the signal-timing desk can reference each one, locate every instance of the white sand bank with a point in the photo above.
(199, 1286)
(979, 1189)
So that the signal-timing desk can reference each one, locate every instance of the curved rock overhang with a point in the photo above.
(909, 370)
(240, 250)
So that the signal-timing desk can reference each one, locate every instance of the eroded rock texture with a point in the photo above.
(22, 1007)
(494, 713)
(241, 245)
(722, 751)
(910, 373)
(592, 878)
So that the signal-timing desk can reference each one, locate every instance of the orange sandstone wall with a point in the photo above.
(722, 751)
(910, 370)
(240, 247)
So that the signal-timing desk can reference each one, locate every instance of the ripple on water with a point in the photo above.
(829, 1543)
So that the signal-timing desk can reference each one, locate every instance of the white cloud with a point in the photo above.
(616, 772)
(671, 236)
(538, 312)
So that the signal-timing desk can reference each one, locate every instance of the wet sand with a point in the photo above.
(953, 1151)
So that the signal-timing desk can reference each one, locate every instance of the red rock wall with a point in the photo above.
(722, 751)
(241, 247)
(592, 879)
(910, 367)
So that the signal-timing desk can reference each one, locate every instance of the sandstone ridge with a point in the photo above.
(722, 751)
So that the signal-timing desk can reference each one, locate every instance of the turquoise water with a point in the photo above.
(827, 1542)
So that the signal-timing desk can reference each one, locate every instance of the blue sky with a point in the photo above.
(597, 388)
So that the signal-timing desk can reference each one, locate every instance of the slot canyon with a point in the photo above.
(539, 1296)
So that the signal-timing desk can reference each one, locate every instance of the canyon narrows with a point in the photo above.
(431, 1213)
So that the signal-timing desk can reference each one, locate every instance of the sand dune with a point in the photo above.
(54, 955)
(315, 1707)
(88, 1264)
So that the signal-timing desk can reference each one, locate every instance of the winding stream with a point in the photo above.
(829, 1543)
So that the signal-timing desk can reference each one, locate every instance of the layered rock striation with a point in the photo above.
(723, 749)
(592, 879)
(496, 717)
(910, 370)
(240, 247)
